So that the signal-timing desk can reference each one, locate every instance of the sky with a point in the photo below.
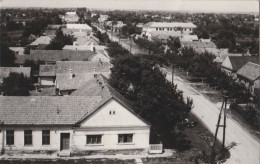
(172, 5)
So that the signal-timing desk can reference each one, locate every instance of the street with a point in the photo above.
(246, 149)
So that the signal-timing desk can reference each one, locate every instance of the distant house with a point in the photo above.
(186, 28)
(47, 75)
(71, 75)
(51, 56)
(41, 42)
(233, 63)
(71, 17)
(82, 28)
(115, 27)
(249, 75)
(5, 71)
(17, 50)
(189, 38)
(72, 125)
(162, 35)
(103, 18)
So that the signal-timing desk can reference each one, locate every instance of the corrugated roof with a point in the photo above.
(169, 24)
(5, 71)
(45, 110)
(251, 71)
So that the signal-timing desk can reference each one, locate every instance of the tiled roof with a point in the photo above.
(166, 33)
(55, 55)
(198, 44)
(47, 70)
(82, 66)
(79, 26)
(82, 72)
(86, 40)
(5, 71)
(251, 71)
(45, 110)
(41, 40)
(170, 25)
(239, 61)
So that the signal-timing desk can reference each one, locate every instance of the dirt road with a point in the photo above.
(247, 147)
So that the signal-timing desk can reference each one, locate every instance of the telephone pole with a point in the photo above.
(223, 109)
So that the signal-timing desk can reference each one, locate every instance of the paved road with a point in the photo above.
(247, 149)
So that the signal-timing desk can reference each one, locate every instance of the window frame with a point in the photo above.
(28, 137)
(46, 137)
(8, 139)
(125, 138)
(97, 139)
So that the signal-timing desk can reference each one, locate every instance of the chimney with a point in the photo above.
(70, 73)
(91, 47)
(74, 43)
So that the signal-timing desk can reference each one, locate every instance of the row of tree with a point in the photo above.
(140, 80)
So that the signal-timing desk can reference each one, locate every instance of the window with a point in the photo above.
(125, 138)
(45, 137)
(94, 139)
(9, 137)
(156, 29)
(27, 137)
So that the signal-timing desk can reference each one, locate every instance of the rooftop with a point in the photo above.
(169, 24)
(47, 70)
(79, 26)
(251, 71)
(239, 61)
(41, 40)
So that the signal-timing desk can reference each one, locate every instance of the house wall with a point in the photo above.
(37, 146)
(46, 81)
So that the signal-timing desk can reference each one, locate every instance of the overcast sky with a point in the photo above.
(174, 5)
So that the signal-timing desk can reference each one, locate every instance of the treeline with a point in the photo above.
(201, 65)
(140, 80)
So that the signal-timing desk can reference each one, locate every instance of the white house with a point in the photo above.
(71, 17)
(71, 125)
(185, 28)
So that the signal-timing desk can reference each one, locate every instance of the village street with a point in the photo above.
(246, 149)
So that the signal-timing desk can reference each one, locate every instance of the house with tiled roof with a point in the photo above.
(249, 75)
(72, 125)
(233, 63)
(51, 56)
(41, 42)
(163, 35)
(71, 75)
(5, 71)
(47, 75)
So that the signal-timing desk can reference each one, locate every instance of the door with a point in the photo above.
(64, 141)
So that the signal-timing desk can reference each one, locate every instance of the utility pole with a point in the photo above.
(223, 109)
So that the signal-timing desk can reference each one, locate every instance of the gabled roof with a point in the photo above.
(5, 71)
(47, 70)
(239, 61)
(41, 40)
(108, 92)
(169, 24)
(251, 71)
(55, 55)
(45, 110)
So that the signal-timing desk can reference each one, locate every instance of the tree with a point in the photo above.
(16, 85)
(60, 41)
(7, 57)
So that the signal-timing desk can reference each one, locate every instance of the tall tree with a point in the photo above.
(7, 57)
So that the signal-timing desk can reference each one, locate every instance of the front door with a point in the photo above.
(64, 141)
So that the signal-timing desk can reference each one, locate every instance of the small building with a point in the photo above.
(233, 63)
(17, 50)
(71, 125)
(46, 76)
(82, 28)
(249, 75)
(71, 17)
(5, 71)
